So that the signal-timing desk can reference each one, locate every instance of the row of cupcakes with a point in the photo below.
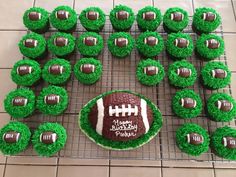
(56, 71)
(182, 74)
(122, 18)
(22, 102)
(220, 107)
(120, 44)
(195, 140)
(47, 139)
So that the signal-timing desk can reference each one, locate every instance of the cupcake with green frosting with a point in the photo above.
(61, 44)
(52, 100)
(20, 103)
(149, 18)
(36, 19)
(15, 137)
(215, 75)
(26, 72)
(179, 45)
(92, 19)
(182, 74)
(221, 107)
(64, 19)
(90, 44)
(210, 46)
(122, 18)
(150, 72)
(175, 19)
(192, 139)
(150, 44)
(49, 138)
(206, 20)
(223, 142)
(186, 104)
(120, 44)
(88, 70)
(33, 46)
(56, 71)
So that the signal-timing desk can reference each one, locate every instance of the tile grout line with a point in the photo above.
(34, 2)
(73, 4)
(232, 3)
(4, 171)
(109, 168)
(193, 7)
(130, 166)
(214, 170)
(161, 170)
(57, 167)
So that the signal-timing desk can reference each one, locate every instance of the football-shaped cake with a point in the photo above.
(120, 120)
(121, 116)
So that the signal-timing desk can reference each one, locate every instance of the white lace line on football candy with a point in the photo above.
(226, 104)
(196, 138)
(225, 142)
(150, 68)
(123, 110)
(87, 66)
(53, 136)
(100, 108)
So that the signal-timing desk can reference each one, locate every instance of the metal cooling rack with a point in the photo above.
(120, 74)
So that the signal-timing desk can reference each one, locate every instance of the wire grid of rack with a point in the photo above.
(120, 74)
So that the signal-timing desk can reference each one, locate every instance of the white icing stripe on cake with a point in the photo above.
(100, 108)
(144, 114)
(123, 110)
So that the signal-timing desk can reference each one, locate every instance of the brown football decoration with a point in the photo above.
(181, 42)
(122, 15)
(19, 101)
(224, 105)
(87, 68)
(184, 72)
(121, 42)
(212, 44)
(151, 40)
(56, 69)
(194, 138)
(209, 16)
(149, 15)
(188, 103)
(219, 73)
(121, 116)
(60, 41)
(92, 15)
(90, 41)
(48, 137)
(62, 14)
(177, 16)
(24, 70)
(34, 16)
(52, 99)
(11, 137)
(30, 43)
(229, 142)
(150, 70)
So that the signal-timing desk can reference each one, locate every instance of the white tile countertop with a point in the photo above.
(12, 29)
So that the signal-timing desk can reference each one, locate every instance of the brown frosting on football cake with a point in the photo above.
(121, 116)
